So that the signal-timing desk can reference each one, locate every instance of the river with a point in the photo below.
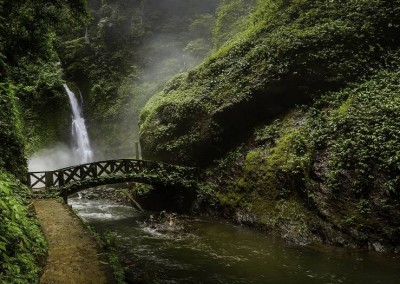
(162, 248)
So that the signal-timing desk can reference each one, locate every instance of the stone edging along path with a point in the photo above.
(74, 255)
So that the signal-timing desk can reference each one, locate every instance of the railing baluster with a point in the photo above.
(61, 178)
(94, 170)
(28, 180)
(49, 179)
(112, 167)
(81, 174)
(137, 150)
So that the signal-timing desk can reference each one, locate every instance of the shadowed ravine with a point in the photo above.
(279, 117)
(160, 248)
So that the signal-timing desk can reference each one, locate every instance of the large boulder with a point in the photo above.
(290, 53)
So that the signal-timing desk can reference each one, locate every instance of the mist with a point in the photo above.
(173, 37)
(153, 41)
(53, 158)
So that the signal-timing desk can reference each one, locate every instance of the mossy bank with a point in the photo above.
(295, 120)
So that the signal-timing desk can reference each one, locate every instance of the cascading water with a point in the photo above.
(80, 135)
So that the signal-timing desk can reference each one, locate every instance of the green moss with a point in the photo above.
(361, 136)
(232, 18)
(290, 52)
(268, 134)
(277, 169)
(327, 172)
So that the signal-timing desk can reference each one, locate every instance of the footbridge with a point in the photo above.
(76, 178)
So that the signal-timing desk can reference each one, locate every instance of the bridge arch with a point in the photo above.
(76, 178)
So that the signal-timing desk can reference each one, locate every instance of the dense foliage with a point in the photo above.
(289, 53)
(341, 150)
(22, 244)
(32, 111)
(327, 171)
(232, 19)
(31, 64)
(12, 157)
(362, 133)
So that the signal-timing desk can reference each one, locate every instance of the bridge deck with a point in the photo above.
(98, 170)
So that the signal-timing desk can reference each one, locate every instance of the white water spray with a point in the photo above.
(79, 132)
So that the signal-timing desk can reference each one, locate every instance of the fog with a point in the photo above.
(176, 36)
(167, 37)
(56, 157)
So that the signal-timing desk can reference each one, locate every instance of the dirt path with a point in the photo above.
(74, 256)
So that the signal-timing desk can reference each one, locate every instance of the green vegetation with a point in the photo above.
(108, 244)
(290, 52)
(12, 157)
(31, 115)
(325, 171)
(232, 19)
(130, 50)
(341, 150)
(361, 133)
(293, 114)
(31, 66)
(22, 244)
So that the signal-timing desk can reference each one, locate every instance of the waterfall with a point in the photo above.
(80, 135)
(87, 41)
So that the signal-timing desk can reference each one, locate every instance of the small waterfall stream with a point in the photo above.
(80, 135)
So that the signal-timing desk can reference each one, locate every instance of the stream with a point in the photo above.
(164, 248)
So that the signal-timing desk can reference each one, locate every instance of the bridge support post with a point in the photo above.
(126, 167)
(81, 173)
(49, 181)
(28, 180)
(60, 178)
(94, 170)
(137, 150)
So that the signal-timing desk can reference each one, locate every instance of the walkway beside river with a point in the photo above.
(74, 255)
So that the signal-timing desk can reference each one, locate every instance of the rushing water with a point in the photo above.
(61, 155)
(80, 135)
(204, 250)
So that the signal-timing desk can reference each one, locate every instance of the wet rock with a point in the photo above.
(106, 192)
(376, 246)
(245, 218)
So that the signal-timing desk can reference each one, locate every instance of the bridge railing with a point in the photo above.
(95, 170)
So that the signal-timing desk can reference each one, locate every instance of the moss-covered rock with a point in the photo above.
(130, 49)
(328, 172)
(290, 52)
(356, 166)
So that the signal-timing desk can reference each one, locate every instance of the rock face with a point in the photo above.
(327, 171)
(290, 53)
